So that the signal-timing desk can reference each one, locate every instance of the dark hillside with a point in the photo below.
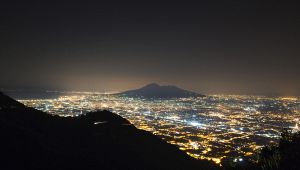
(31, 139)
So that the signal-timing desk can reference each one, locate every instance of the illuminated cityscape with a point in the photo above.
(147, 85)
(213, 127)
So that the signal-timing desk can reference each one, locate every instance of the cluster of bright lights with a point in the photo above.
(210, 128)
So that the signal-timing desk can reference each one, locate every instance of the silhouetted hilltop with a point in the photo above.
(156, 91)
(9, 103)
(32, 139)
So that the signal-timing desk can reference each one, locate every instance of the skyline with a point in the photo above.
(247, 47)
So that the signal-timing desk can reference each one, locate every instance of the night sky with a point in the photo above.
(232, 47)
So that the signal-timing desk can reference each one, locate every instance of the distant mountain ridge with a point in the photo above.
(154, 90)
(32, 139)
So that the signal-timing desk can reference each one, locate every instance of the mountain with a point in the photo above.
(9, 103)
(154, 90)
(32, 139)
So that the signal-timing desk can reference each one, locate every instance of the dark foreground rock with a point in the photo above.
(31, 139)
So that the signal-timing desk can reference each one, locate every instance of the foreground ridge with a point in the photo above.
(32, 139)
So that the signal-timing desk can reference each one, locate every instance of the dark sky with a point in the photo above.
(233, 47)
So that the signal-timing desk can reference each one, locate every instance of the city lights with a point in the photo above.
(213, 128)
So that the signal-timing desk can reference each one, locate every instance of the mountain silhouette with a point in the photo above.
(154, 90)
(9, 103)
(32, 139)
